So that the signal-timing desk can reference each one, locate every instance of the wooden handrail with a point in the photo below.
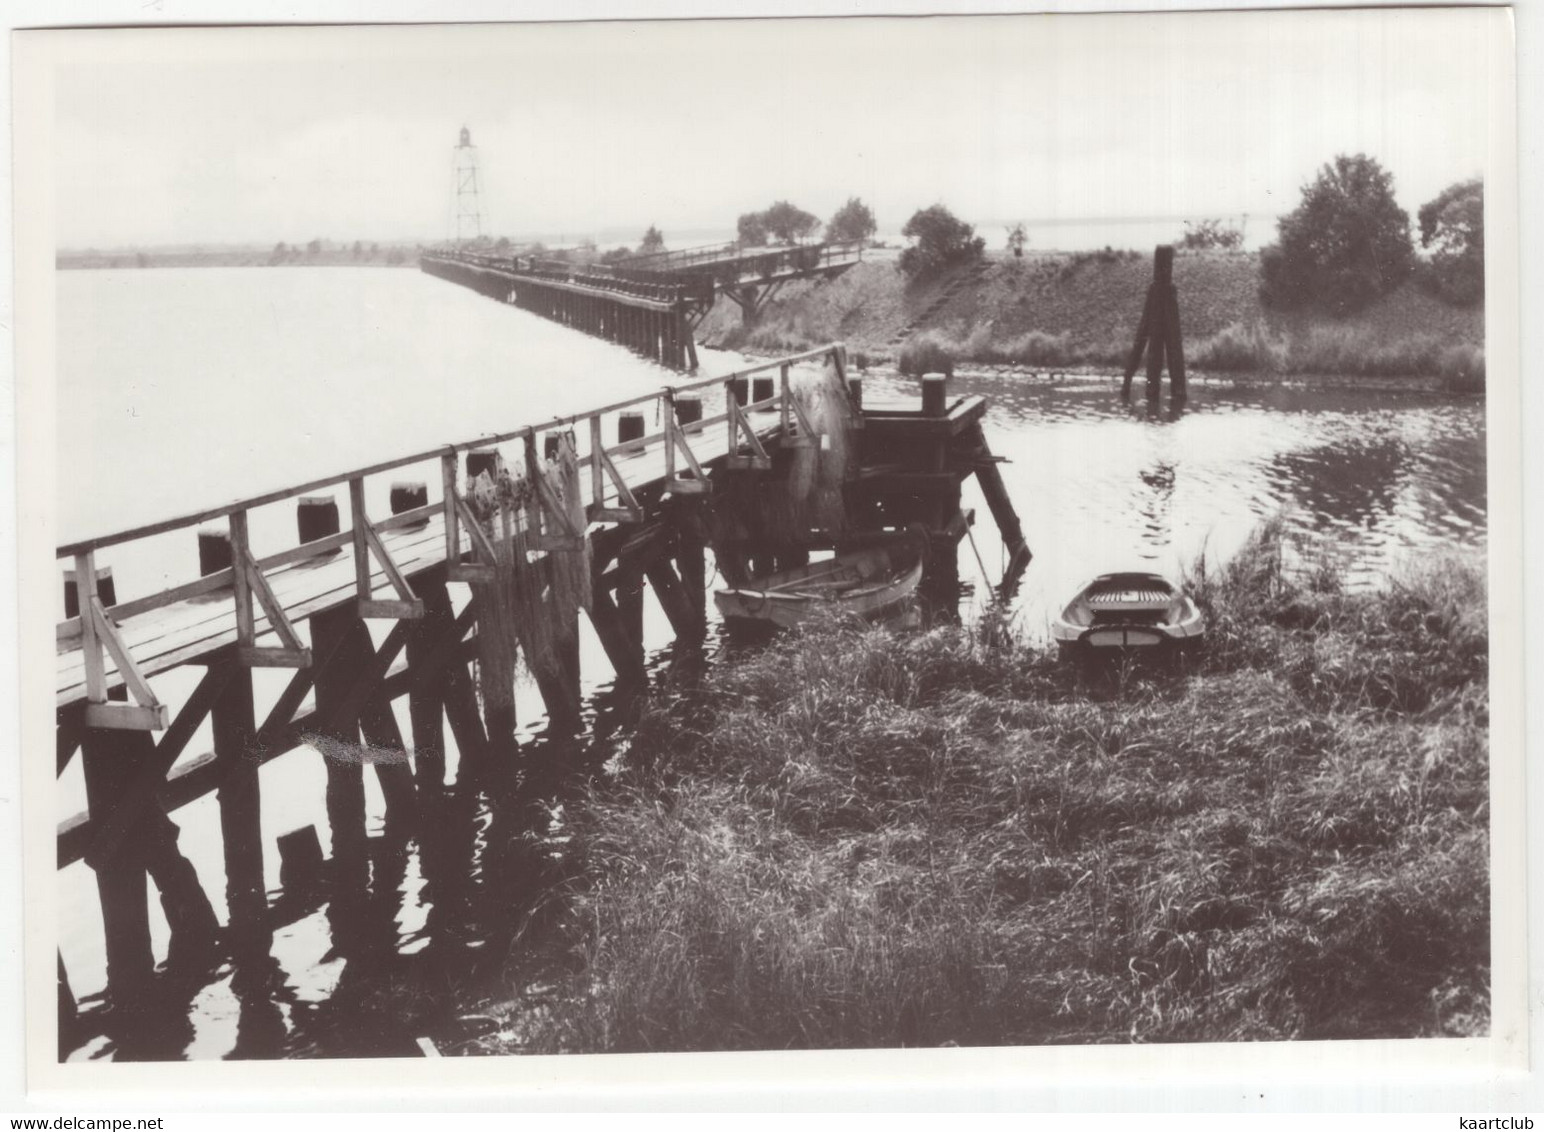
(278, 495)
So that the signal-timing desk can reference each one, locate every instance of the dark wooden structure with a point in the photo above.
(650, 303)
(1158, 334)
(650, 318)
(653, 501)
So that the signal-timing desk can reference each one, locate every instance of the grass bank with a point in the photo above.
(1066, 311)
(858, 839)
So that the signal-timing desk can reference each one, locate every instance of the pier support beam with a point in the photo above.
(241, 829)
(121, 770)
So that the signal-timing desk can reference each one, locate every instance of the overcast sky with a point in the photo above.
(261, 135)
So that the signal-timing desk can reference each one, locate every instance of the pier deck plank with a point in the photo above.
(184, 631)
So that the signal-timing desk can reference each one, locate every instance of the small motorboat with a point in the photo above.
(873, 583)
(1128, 611)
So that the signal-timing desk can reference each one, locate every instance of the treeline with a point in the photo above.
(1349, 242)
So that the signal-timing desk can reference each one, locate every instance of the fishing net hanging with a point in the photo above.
(543, 569)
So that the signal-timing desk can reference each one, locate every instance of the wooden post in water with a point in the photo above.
(108, 760)
(234, 725)
(333, 646)
(426, 694)
(935, 395)
(1158, 334)
(114, 763)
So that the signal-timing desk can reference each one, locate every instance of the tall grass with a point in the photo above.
(860, 839)
(1239, 348)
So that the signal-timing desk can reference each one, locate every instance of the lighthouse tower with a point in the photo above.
(468, 207)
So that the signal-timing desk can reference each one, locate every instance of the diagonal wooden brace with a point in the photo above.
(602, 469)
(740, 428)
(367, 541)
(675, 444)
(146, 713)
(249, 581)
(485, 570)
(557, 531)
(805, 437)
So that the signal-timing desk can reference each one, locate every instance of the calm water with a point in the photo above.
(197, 387)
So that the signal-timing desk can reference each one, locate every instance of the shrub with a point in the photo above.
(1206, 234)
(1239, 348)
(1453, 228)
(939, 239)
(1462, 368)
(1017, 238)
(854, 221)
(927, 353)
(1347, 242)
(653, 241)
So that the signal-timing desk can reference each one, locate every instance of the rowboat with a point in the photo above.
(873, 583)
(1128, 611)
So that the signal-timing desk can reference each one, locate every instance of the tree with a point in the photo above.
(280, 253)
(653, 242)
(501, 244)
(1207, 234)
(853, 222)
(1017, 238)
(1453, 229)
(789, 224)
(358, 249)
(940, 238)
(752, 228)
(1347, 243)
(314, 247)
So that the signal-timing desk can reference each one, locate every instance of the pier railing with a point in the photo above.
(683, 440)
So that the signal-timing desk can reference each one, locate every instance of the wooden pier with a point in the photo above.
(650, 304)
(649, 317)
(519, 532)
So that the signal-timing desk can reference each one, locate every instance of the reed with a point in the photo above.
(862, 839)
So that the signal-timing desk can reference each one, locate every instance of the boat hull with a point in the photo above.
(870, 584)
(1130, 613)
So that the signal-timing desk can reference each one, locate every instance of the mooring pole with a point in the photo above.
(1158, 333)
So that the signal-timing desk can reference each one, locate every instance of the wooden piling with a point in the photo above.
(214, 551)
(426, 694)
(316, 517)
(406, 495)
(630, 427)
(234, 726)
(106, 592)
(300, 861)
(481, 460)
(1158, 334)
(935, 395)
(688, 410)
(122, 771)
(109, 759)
(691, 543)
(333, 636)
(762, 389)
(979, 456)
